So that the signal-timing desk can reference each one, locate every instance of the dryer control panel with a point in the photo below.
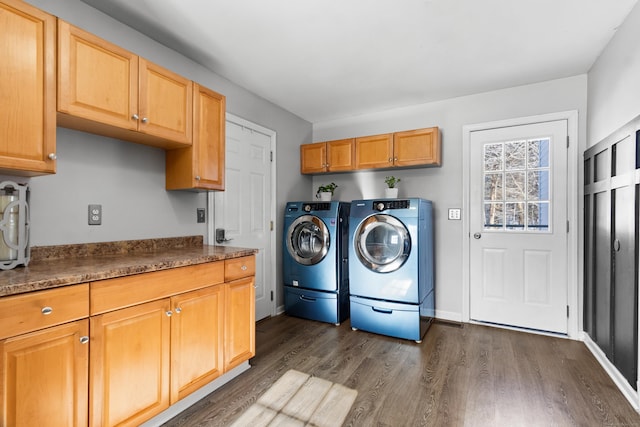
(383, 205)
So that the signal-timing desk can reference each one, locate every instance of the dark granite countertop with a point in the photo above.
(54, 266)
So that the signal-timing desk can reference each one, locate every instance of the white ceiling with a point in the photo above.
(329, 59)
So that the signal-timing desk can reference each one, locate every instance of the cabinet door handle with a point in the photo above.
(84, 339)
(135, 117)
(46, 310)
(145, 120)
(178, 310)
(168, 313)
(52, 156)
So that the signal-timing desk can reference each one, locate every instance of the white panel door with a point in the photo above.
(518, 226)
(243, 210)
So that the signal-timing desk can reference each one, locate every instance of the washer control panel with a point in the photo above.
(383, 205)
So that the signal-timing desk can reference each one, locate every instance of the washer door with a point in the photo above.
(308, 240)
(382, 243)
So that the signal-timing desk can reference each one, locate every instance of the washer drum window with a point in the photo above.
(308, 240)
(382, 243)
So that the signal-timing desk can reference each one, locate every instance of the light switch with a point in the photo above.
(454, 213)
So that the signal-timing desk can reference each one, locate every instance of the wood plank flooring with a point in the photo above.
(460, 375)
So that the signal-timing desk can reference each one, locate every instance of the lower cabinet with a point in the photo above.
(45, 379)
(117, 352)
(129, 359)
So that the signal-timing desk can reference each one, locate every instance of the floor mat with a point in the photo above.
(298, 399)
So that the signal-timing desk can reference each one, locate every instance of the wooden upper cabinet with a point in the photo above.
(330, 156)
(202, 165)
(341, 155)
(165, 105)
(97, 80)
(313, 158)
(417, 147)
(374, 152)
(27, 85)
(107, 90)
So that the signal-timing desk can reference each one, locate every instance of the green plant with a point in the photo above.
(329, 188)
(391, 181)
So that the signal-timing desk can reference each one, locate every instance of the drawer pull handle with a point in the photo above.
(243, 268)
(84, 339)
(382, 310)
(46, 310)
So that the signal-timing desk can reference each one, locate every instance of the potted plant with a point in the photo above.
(325, 192)
(391, 192)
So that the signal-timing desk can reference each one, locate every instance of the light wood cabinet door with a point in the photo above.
(202, 165)
(313, 158)
(417, 147)
(45, 378)
(165, 103)
(129, 364)
(197, 333)
(28, 88)
(240, 331)
(341, 155)
(97, 80)
(374, 151)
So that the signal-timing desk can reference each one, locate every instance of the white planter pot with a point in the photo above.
(391, 193)
(325, 196)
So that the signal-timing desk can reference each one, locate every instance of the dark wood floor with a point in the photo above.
(459, 375)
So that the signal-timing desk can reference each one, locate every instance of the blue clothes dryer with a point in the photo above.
(315, 260)
(391, 273)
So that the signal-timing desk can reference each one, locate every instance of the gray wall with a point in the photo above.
(614, 81)
(443, 185)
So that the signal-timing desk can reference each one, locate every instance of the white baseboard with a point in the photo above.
(194, 397)
(449, 315)
(621, 382)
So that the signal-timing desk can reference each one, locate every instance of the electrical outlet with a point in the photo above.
(95, 214)
(200, 214)
(454, 213)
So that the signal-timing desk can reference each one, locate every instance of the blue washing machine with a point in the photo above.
(315, 260)
(391, 273)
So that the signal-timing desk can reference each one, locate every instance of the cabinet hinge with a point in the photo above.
(271, 295)
(271, 156)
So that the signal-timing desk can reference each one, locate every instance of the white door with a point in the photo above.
(518, 226)
(244, 209)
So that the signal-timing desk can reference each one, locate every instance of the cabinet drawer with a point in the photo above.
(112, 294)
(25, 313)
(237, 268)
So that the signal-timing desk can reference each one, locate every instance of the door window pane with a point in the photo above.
(517, 185)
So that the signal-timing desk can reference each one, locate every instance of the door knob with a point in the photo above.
(477, 235)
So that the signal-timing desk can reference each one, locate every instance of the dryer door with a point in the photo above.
(308, 240)
(382, 243)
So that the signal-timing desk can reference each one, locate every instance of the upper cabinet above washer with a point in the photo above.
(406, 149)
(107, 90)
(27, 85)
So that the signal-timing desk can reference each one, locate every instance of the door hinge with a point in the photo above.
(271, 295)
(567, 226)
(567, 141)
(271, 156)
(567, 311)
(270, 225)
